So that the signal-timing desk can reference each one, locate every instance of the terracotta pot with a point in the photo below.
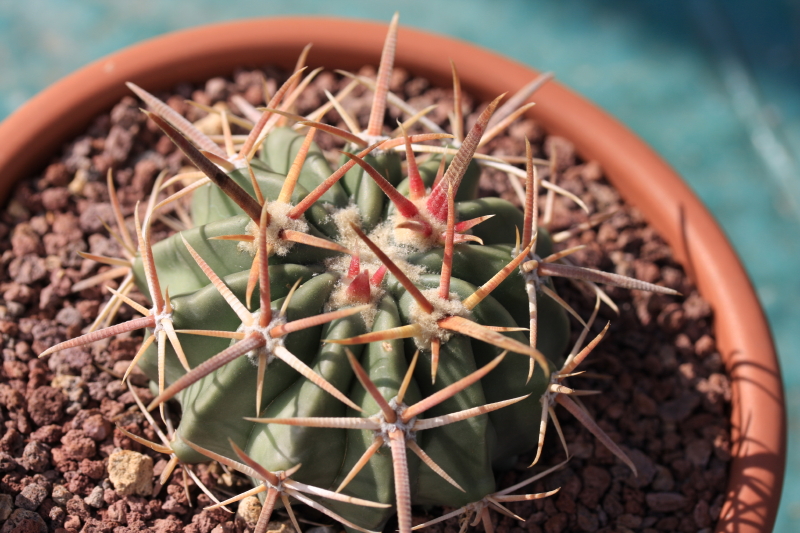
(30, 137)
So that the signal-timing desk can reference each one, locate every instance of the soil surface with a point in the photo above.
(664, 394)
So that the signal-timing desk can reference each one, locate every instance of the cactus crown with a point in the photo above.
(318, 316)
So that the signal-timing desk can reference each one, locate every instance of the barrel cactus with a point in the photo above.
(374, 336)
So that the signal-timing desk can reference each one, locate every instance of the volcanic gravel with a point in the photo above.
(665, 395)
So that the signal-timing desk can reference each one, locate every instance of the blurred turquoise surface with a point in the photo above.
(712, 85)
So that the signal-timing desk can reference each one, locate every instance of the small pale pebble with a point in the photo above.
(95, 498)
(66, 383)
(215, 88)
(131, 473)
(57, 515)
(61, 495)
(248, 512)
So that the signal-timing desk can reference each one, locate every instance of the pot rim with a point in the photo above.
(758, 418)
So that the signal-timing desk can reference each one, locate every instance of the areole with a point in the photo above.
(35, 131)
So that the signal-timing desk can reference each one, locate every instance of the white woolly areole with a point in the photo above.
(428, 321)
(272, 343)
(342, 218)
(416, 239)
(339, 299)
(279, 220)
(384, 238)
(372, 139)
(397, 425)
(158, 317)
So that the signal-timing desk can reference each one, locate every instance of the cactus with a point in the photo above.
(385, 349)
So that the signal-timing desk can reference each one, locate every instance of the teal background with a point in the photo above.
(712, 85)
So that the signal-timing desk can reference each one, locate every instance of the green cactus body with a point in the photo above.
(214, 408)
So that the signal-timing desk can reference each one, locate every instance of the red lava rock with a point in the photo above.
(77, 483)
(144, 395)
(663, 481)
(25, 240)
(55, 198)
(15, 369)
(36, 456)
(110, 408)
(28, 269)
(172, 506)
(46, 405)
(72, 523)
(565, 503)
(666, 502)
(118, 144)
(645, 468)
(91, 220)
(645, 404)
(556, 523)
(698, 452)
(701, 514)
(77, 445)
(587, 521)
(11, 441)
(96, 427)
(629, 521)
(596, 481)
(8, 327)
(47, 434)
(92, 469)
(56, 175)
(24, 521)
(680, 408)
(126, 113)
(118, 512)
(31, 497)
(77, 507)
(206, 520)
(94, 525)
(7, 463)
(70, 317)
